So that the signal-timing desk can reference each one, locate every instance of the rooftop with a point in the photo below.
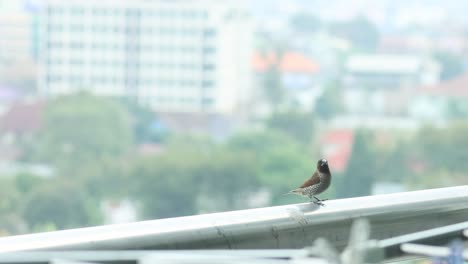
(291, 62)
(337, 146)
(456, 87)
(384, 63)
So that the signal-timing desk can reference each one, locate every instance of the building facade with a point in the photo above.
(186, 56)
(17, 66)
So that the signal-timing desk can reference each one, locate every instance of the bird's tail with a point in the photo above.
(295, 191)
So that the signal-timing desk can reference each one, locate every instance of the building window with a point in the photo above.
(77, 11)
(166, 31)
(207, 101)
(53, 78)
(55, 27)
(76, 28)
(209, 32)
(76, 45)
(208, 67)
(55, 44)
(187, 83)
(208, 83)
(209, 50)
(76, 62)
(55, 10)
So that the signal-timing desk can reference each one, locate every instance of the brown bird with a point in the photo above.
(318, 183)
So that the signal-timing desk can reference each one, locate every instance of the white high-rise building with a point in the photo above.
(170, 55)
(16, 44)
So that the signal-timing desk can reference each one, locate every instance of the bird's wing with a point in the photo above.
(311, 181)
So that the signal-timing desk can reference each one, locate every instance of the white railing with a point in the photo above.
(280, 227)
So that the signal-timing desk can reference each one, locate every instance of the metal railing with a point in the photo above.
(282, 227)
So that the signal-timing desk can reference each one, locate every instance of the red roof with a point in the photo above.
(456, 87)
(290, 62)
(262, 62)
(23, 117)
(336, 148)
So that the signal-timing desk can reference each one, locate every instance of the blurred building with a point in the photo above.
(16, 45)
(337, 145)
(381, 83)
(15, 32)
(296, 73)
(185, 56)
(444, 101)
(19, 124)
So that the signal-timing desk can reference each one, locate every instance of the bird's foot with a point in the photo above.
(319, 203)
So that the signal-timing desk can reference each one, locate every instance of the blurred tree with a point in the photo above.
(360, 173)
(146, 127)
(329, 104)
(166, 185)
(60, 204)
(359, 31)
(273, 87)
(283, 169)
(298, 125)
(457, 109)
(305, 22)
(226, 179)
(10, 209)
(282, 162)
(392, 163)
(185, 180)
(444, 148)
(452, 65)
(81, 129)
(108, 178)
(26, 182)
(259, 142)
(9, 196)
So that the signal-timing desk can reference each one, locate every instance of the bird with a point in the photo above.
(316, 184)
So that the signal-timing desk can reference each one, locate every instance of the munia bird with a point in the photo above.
(316, 184)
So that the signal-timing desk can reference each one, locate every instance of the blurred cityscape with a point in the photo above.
(117, 111)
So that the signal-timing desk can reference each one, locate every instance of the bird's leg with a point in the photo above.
(319, 202)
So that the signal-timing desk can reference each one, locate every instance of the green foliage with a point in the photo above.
(10, 202)
(329, 104)
(62, 205)
(281, 161)
(174, 183)
(259, 143)
(226, 179)
(360, 173)
(457, 109)
(108, 178)
(9, 196)
(165, 186)
(81, 129)
(273, 88)
(144, 122)
(452, 65)
(305, 23)
(297, 125)
(25, 182)
(393, 164)
(444, 148)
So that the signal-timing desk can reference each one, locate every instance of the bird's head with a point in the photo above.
(322, 165)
